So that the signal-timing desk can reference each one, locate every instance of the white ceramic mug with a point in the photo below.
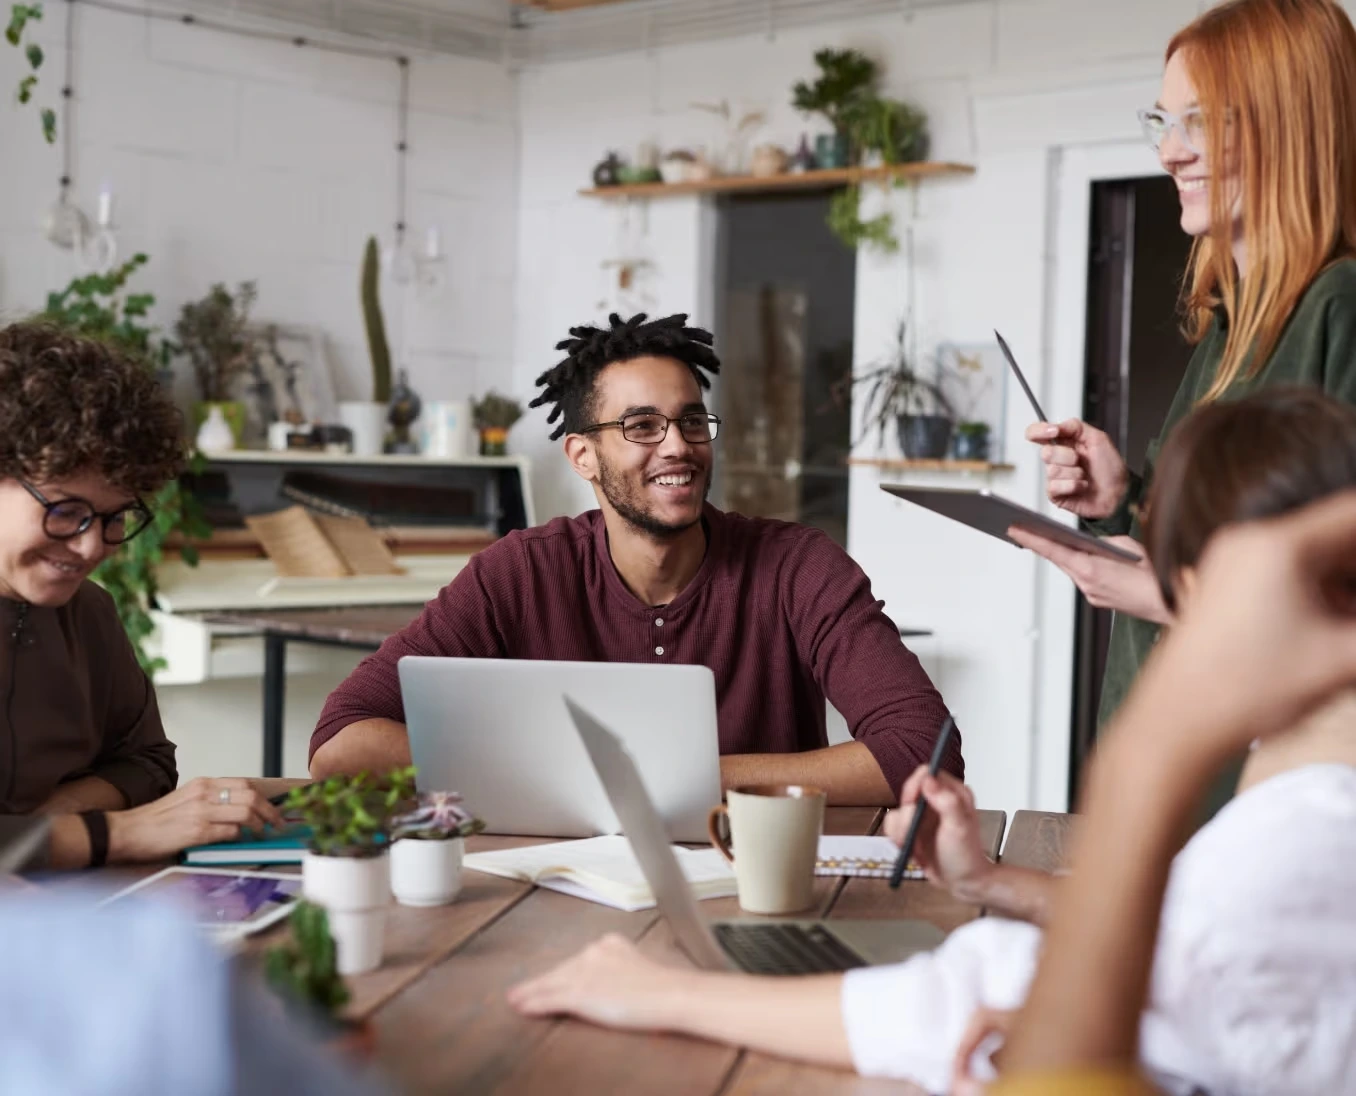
(775, 832)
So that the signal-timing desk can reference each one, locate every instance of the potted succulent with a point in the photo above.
(346, 867)
(214, 334)
(428, 843)
(898, 395)
(971, 441)
(969, 381)
(494, 416)
(304, 972)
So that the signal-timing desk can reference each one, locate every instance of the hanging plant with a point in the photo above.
(845, 221)
(20, 18)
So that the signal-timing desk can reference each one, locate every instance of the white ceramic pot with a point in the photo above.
(366, 421)
(426, 873)
(356, 892)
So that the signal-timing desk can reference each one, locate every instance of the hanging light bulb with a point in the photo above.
(432, 260)
(99, 250)
(398, 261)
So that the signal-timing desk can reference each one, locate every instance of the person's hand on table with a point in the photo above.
(1107, 583)
(202, 812)
(1083, 472)
(610, 982)
(948, 847)
(985, 1024)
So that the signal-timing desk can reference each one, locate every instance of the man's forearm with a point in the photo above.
(68, 843)
(375, 745)
(847, 772)
(89, 793)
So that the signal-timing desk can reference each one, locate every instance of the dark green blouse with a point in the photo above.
(1317, 347)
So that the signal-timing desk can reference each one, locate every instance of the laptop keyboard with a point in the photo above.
(785, 948)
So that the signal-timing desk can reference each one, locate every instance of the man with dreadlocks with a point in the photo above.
(780, 614)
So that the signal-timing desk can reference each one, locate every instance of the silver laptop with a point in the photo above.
(756, 946)
(495, 731)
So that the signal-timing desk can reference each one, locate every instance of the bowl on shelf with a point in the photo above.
(630, 175)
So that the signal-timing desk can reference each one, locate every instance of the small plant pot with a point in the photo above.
(366, 421)
(972, 445)
(832, 150)
(356, 893)
(233, 411)
(426, 872)
(925, 437)
(493, 441)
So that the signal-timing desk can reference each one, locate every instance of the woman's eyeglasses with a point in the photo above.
(68, 518)
(1191, 124)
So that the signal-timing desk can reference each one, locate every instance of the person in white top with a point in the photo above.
(1255, 969)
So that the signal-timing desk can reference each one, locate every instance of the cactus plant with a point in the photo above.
(305, 971)
(376, 326)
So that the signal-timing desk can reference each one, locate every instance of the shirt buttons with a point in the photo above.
(659, 622)
(659, 650)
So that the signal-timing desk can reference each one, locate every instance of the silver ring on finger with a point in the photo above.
(224, 795)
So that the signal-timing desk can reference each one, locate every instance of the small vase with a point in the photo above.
(404, 408)
(356, 892)
(832, 150)
(970, 445)
(426, 872)
(214, 435)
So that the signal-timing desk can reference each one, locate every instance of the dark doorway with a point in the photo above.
(785, 296)
(1135, 358)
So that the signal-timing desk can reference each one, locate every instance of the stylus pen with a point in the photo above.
(1030, 395)
(920, 808)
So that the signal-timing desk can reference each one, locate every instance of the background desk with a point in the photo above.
(364, 627)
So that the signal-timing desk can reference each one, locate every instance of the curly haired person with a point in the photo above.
(86, 435)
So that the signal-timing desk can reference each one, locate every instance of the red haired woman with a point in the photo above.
(1256, 122)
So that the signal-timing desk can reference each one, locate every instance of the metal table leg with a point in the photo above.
(275, 673)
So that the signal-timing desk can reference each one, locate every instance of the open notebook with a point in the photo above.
(603, 869)
(873, 857)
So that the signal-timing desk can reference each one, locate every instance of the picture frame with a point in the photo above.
(289, 377)
(974, 378)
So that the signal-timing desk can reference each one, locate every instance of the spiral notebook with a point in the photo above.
(873, 857)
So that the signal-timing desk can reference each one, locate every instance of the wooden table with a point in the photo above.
(443, 1025)
(1039, 839)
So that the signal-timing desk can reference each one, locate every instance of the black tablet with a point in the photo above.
(992, 514)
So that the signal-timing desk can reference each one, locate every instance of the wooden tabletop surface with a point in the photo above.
(443, 1024)
(366, 625)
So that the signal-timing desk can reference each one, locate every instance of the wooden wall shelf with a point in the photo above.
(760, 184)
(932, 465)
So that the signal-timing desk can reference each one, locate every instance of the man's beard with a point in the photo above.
(624, 498)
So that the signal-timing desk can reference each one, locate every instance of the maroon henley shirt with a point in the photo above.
(779, 613)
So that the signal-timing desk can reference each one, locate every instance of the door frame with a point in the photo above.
(1073, 171)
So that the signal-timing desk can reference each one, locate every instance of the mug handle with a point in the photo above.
(719, 838)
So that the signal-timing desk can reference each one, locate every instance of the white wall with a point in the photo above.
(235, 159)
(1011, 86)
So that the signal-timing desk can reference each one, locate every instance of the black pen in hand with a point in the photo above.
(921, 806)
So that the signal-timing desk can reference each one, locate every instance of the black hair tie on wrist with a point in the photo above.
(96, 825)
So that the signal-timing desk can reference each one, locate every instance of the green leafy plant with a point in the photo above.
(845, 221)
(353, 815)
(496, 412)
(214, 333)
(846, 76)
(20, 17)
(895, 130)
(436, 816)
(896, 389)
(305, 970)
(973, 429)
(98, 305)
(377, 345)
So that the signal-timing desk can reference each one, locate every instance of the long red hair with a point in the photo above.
(1276, 83)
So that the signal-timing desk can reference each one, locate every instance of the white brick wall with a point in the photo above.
(234, 159)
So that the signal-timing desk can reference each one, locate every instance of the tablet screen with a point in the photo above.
(240, 901)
